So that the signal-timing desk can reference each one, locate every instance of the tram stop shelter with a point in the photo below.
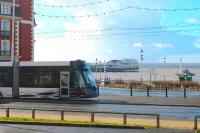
(186, 75)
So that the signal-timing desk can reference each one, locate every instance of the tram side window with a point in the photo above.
(5, 79)
(39, 79)
(43, 77)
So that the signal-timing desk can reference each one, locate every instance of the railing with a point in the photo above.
(165, 91)
(195, 121)
(92, 114)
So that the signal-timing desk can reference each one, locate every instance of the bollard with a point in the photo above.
(98, 90)
(148, 91)
(166, 91)
(131, 90)
(62, 114)
(184, 92)
(92, 116)
(7, 112)
(33, 113)
(125, 119)
(158, 121)
(195, 123)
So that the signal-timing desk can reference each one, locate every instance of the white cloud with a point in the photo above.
(164, 45)
(109, 51)
(40, 25)
(138, 45)
(125, 45)
(197, 43)
(84, 24)
(72, 45)
(191, 21)
(64, 49)
(110, 22)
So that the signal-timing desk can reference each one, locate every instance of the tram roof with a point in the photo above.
(39, 63)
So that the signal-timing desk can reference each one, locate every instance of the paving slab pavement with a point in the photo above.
(14, 128)
(161, 101)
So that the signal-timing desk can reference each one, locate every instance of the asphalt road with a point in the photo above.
(8, 128)
(166, 112)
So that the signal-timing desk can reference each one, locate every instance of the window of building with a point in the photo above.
(5, 9)
(5, 25)
(5, 47)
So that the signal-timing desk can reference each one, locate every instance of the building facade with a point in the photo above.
(124, 65)
(23, 30)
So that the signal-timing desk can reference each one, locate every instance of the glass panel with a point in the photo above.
(41, 76)
(5, 47)
(64, 80)
(77, 80)
(5, 25)
(6, 77)
(5, 9)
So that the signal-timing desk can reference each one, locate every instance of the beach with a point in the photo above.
(153, 72)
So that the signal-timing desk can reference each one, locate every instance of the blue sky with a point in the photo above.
(118, 35)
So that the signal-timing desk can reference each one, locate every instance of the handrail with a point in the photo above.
(125, 114)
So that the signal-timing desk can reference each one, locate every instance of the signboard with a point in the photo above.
(64, 84)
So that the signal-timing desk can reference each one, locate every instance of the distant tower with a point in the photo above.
(23, 30)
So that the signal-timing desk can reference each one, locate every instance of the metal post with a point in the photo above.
(92, 116)
(131, 90)
(166, 91)
(13, 32)
(180, 66)
(195, 123)
(62, 114)
(184, 92)
(96, 69)
(148, 88)
(125, 119)
(150, 78)
(164, 67)
(100, 69)
(33, 113)
(141, 67)
(15, 87)
(7, 112)
(97, 90)
(158, 121)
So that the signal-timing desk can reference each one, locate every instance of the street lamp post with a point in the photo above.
(15, 61)
(104, 67)
(96, 68)
(100, 69)
(96, 65)
(166, 86)
(141, 67)
(13, 33)
(164, 67)
(180, 65)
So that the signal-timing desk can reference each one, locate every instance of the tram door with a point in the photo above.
(64, 84)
